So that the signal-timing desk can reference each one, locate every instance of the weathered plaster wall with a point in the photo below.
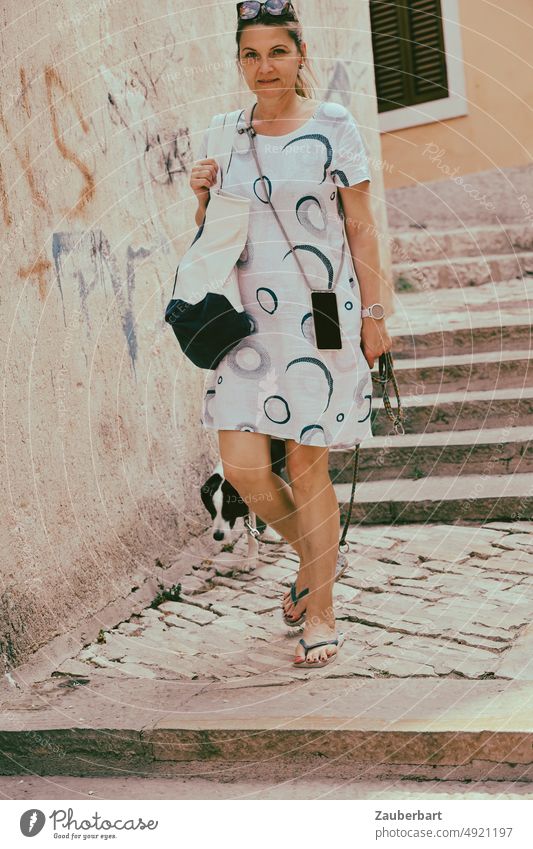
(102, 105)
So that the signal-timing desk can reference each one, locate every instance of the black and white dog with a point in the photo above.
(225, 506)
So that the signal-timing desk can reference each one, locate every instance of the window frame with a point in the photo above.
(453, 106)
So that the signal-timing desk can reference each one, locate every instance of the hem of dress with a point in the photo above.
(335, 446)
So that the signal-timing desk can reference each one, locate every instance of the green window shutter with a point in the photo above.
(409, 58)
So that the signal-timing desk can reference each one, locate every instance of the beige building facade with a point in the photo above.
(486, 122)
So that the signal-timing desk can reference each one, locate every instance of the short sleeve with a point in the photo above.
(202, 147)
(349, 158)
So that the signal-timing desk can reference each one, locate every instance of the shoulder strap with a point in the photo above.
(220, 140)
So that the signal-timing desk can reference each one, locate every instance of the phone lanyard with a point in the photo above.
(251, 133)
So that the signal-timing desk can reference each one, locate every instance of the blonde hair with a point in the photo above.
(304, 87)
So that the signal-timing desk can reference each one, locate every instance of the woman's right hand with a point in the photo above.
(203, 176)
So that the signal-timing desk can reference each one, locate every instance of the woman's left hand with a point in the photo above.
(375, 339)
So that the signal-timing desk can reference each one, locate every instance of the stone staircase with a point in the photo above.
(461, 257)
(462, 334)
(462, 331)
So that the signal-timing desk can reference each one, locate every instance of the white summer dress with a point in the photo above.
(276, 381)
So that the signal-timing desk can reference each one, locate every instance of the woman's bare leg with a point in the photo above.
(318, 519)
(306, 514)
(247, 466)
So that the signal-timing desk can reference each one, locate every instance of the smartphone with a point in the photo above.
(326, 319)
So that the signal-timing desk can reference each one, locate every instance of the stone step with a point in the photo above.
(484, 370)
(461, 271)
(492, 197)
(338, 727)
(479, 337)
(491, 451)
(481, 498)
(462, 410)
(490, 317)
(421, 245)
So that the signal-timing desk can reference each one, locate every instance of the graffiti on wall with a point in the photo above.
(84, 262)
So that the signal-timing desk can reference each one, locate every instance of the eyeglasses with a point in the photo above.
(251, 8)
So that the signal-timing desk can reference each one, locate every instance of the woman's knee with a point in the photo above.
(245, 457)
(307, 465)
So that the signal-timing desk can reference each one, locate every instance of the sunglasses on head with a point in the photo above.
(251, 8)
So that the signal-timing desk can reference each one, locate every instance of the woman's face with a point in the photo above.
(269, 59)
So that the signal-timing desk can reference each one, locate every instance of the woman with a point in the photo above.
(276, 382)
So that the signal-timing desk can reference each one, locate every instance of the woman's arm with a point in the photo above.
(199, 215)
(203, 176)
(362, 236)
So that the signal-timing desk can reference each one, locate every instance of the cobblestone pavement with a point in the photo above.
(416, 601)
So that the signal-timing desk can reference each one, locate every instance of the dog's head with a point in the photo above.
(224, 504)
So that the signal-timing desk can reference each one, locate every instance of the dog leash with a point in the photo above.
(385, 373)
(385, 370)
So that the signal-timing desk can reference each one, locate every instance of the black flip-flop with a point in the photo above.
(338, 641)
(342, 565)
(295, 599)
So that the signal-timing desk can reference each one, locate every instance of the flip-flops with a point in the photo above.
(295, 599)
(342, 565)
(338, 641)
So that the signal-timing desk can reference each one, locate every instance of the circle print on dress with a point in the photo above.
(268, 302)
(319, 138)
(358, 396)
(316, 362)
(307, 328)
(309, 207)
(276, 409)
(249, 359)
(315, 434)
(321, 256)
(369, 398)
(261, 189)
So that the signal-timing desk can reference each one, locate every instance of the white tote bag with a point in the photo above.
(209, 263)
